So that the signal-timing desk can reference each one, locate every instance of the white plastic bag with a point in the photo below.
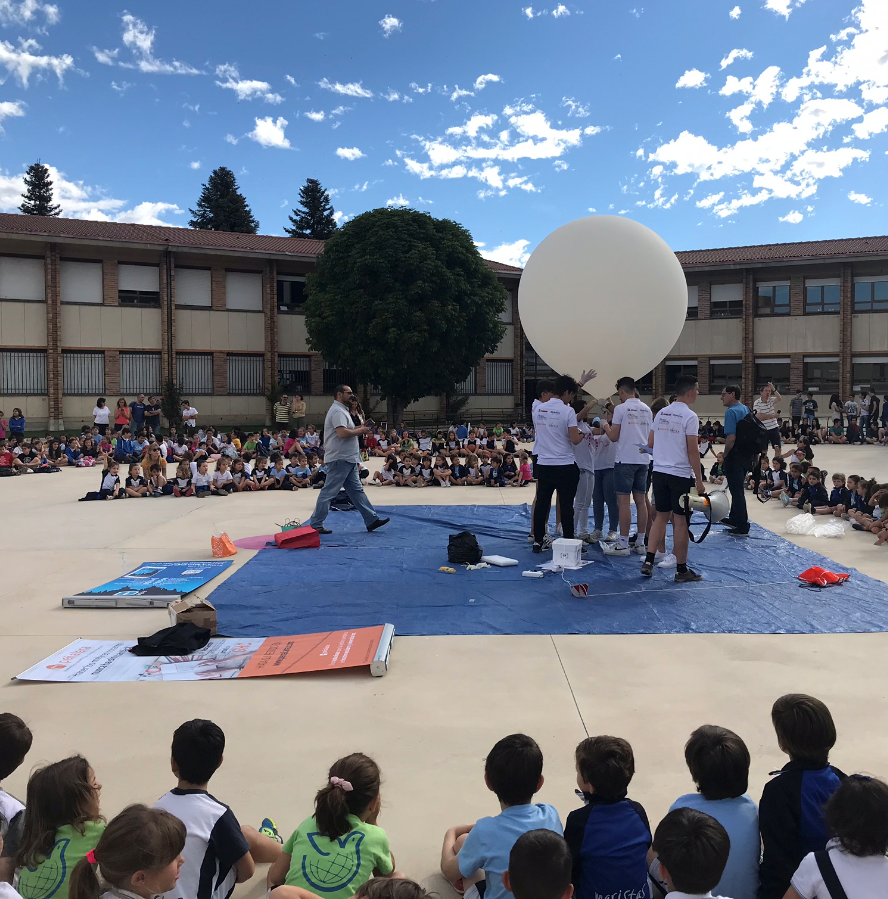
(811, 526)
(803, 524)
(831, 527)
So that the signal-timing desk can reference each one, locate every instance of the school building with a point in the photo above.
(92, 309)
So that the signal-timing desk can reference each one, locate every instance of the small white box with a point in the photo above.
(566, 553)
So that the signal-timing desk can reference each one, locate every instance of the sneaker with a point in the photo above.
(583, 537)
(640, 549)
(668, 561)
(737, 532)
(595, 536)
(537, 548)
(323, 530)
(807, 508)
(547, 541)
(530, 538)
(785, 500)
(269, 829)
(611, 536)
(614, 549)
(647, 569)
(558, 531)
(377, 524)
(632, 539)
(727, 522)
(687, 577)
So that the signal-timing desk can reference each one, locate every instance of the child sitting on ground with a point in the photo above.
(609, 837)
(539, 867)
(261, 473)
(343, 827)
(495, 473)
(139, 854)
(218, 852)
(182, 485)
(426, 473)
(692, 849)
(719, 764)
(15, 742)
(62, 824)
(526, 470)
(157, 483)
(855, 858)
(111, 488)
(278, 473)
(839, 497)
(136, 485)
(813, 495)
(514, 772)
(442, 471)
(795, 482)
(223, 482)
(473, 471)
(511, 476)
(791, 809)
(240, 477)
(203, 481)
(458, 471)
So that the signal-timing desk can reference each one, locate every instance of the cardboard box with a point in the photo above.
(196, 610)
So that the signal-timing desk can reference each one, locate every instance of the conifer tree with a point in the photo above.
(222, 207)
(37, 198)
(314, 217)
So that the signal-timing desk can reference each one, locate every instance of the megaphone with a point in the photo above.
(714, 506)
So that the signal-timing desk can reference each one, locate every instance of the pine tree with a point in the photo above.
(37, 198)
(222, 207)
(314, 218)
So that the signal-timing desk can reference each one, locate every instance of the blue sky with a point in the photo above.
(714, 122)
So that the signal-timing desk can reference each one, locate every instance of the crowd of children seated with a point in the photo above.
(816, 832)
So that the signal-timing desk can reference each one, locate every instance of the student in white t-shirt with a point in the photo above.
(677, 468)
(630, 430)
(584, 453)
(765, 409)
(857, 813)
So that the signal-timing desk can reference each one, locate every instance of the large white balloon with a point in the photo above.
(603, 292)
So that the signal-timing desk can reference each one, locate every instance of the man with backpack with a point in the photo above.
(739, 460)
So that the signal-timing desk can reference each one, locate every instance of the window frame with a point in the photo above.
(820, 385)
(153, 356)
(717, 384)
(243, 380)
(511, 382)
(468, 386)
(770, 308)
(812, 308)
(39, 356)
(191, 389)
(95, 388)
(288, 309)
(783, 384)
(684, 366)
(859, 307)
(290, 384)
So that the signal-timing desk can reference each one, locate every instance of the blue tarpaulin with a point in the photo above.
(358, 579)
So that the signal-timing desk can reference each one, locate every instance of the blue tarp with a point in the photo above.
(358, 579)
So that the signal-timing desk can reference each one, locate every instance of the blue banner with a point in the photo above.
(161, 580)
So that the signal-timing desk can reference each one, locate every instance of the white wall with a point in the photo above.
(22, 324)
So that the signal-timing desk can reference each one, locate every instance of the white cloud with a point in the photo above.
(874, 122)
(194, 165)
(10, 109)
(735, 12)
(31, 13)
(473, 125)
(389, 162)
(138, 38)
(389, 25)
(734, 55)
(692, 78)
(340, 217)
(793, 218)
(121, 87)
(270, 133)
(862, 199)
(230, 138)
(592, 129)
(361, 188)
(399, 200)
(352, 89)
(350, 153)
(575, 108)
(783, 7)
(391, 95)
(459, 92)
(560, 10)
(291, 80)
(515, 253)
(480, 83)
(22, 61)
(106, 57)
(315, 116)
(560, 165)
(320, 35)
(244, 88)
(637, 12)
(418, 89)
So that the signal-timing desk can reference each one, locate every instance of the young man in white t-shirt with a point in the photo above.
(631, 428)
(677, 468)
(765, 409)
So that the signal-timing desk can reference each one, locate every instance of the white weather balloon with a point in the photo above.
(603, 292)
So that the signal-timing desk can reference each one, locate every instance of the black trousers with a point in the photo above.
(551, 478)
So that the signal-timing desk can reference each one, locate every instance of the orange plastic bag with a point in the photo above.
(222, 546)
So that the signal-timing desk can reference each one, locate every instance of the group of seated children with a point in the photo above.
(412, 469)
(462, 440)
(814, 827)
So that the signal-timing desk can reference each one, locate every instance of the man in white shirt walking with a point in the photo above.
(677, 468)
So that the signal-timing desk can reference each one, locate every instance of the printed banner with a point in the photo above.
(223, 658)
(156, 580)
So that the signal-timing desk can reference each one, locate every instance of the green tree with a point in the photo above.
(222, 207)
(37, 198)
(406, 302)
(314, 218)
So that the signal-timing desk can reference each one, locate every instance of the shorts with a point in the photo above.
(774, 437)
(630, 478)
(668, 490)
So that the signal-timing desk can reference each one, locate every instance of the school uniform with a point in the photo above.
(840, 496)
(136, 482)
(816, 495)
(109, 483)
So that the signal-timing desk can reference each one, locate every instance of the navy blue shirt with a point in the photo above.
(138, 410)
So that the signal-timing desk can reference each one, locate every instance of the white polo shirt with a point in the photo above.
(861, 877)
(635, 420)
(552, 443)
(766, 407)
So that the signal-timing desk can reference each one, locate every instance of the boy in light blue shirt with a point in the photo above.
(478, 854)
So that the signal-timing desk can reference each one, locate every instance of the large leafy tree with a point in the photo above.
(37, 198)
(406, 302)
(222, 207)
(314, 216)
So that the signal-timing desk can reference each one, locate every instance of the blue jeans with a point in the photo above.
(603, 492)
(340, 475)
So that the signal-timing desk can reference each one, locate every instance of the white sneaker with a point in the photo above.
(614, 549)
(668, 561)
(445, 483)
(547, 542)
(611, 536)
(558, 531)
(530, 538)
(640, 549)
(582, 536)
(595, 536)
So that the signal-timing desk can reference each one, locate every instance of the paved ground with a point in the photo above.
(446, 700)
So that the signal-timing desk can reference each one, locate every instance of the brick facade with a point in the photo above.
(317, 375)
(112, 376)
(660, 379)
(704, 300)
(797, 372)
(748, 346)
(109, 283)
(846, 311)
(167, 319)
(53, 337)
(220, 374)
(217, 288)
(270, 310)
(797, 295)
(703, 374)
(481, 378)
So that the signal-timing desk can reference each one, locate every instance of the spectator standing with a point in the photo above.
(137, 410)
(122, 415)
(282, 412)
(152, 416)
(835, 407)
(297, 410)
(189, 415)
(852, 409)
(738, 461)
(765, 408)
(101, 416)
(810, 409)
(796, 405)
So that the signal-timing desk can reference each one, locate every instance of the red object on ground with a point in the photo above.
(820, 577)
(298, 538)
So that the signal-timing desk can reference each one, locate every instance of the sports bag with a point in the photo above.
(463, 548)
(298, 538)
(752, 436)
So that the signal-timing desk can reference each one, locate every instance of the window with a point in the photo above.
(138, 285)
(22, 278)
(81, 282)
(674, 369)
(645, 384)
(774, 369)
(140, 373)
(870, 296)
(294, 374)
(693, 303)
(821, 374)
(246, 375)
(193, 287)
(724, 372)
(83, 374)
(243, 290)
(510, 305)
(23, 373)
(467, 387)
(822, 296)
(194, 372)
(727, 301)
(335, 376)
(870, 371)
(499, 377)
(773, 299)
(290, 293)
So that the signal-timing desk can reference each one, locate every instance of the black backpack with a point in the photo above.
(464, 548)
(751, 436)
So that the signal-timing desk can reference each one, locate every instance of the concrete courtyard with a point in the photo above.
(430, 722)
